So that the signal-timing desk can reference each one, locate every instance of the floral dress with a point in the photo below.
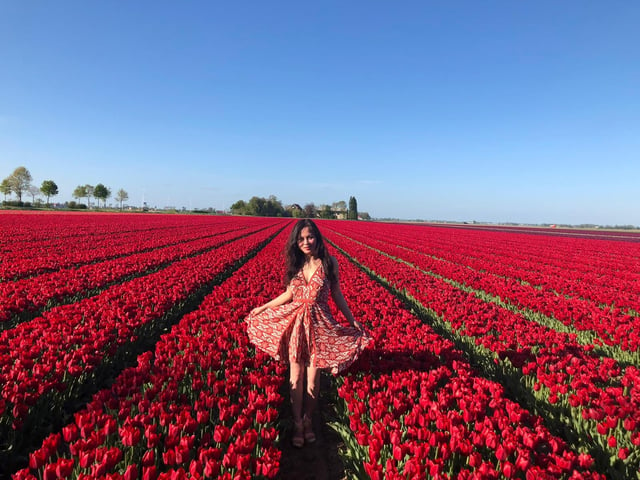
(304, 330)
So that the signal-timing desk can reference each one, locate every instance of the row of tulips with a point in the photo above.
(111, 238)
(29, 228)
(599, 399)
(608, 326)
(416, 409)
(564, 232)
(24, 297)
(201, 405)
(546, 259)
(32, 229)
(604, 272)
(47, 361)
(593, 254)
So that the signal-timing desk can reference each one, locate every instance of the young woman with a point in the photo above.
(297, 326)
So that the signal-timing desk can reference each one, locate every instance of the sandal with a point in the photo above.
(309, 436)
(298, 434)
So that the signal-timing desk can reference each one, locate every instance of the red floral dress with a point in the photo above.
(304, 330)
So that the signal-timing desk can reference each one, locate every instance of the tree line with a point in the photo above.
(272, 207)
(99, 192)
(19, 183)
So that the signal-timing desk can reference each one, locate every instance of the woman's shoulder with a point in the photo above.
(333, 265)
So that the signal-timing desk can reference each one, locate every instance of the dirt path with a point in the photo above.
(317, 461)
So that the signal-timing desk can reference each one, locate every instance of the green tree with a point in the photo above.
(5, 188)
(121, 196)
(261, 207)
(34, 192)
(257, 206)
(101, 193)
(275, 207)
(19, 181)
(89, 190)
(297, 212)
(49, 189)
(325, 212)
(310, 210)
(80, 192)
(339, 206)
(239, 208)
(352, 214)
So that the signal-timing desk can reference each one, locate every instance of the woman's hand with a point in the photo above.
(258, 310)
(358, 326)
(276, 302)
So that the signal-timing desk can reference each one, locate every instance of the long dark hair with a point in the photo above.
(295, 258)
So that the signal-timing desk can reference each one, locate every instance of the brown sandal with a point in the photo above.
(298, 434)
(309, 436)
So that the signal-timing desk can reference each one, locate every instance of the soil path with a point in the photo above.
(319, 460)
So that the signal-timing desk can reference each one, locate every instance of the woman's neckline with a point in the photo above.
(312, 274)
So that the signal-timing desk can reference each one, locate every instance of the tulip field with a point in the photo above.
(498, 352)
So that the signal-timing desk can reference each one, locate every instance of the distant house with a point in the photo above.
(293, 207)
(340, 214)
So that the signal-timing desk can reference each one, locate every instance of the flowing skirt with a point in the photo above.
(307, 333)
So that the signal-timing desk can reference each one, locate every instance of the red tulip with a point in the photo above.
(130, 436)
(221, 434)
(148, 458)
(131, 473)
(150, 473)
(64, 467)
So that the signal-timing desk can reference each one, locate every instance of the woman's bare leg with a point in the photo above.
(310, 402)
(296, 382)
(313, 390)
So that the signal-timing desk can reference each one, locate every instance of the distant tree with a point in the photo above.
(101, 193)
(325, 212)
(5, 188)
(80, 192)
(295, 210)
(19, 181)
(259, 206)
(352, 214)
(339, 206)
(270, 207)
(121, 196)
(34, 192)
(89, 189)
(365, 216)
(239, 208)
(310, 210)
(49, 189)
(274, 207)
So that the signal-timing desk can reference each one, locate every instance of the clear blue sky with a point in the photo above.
(500, 111)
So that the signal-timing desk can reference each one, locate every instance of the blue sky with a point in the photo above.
(498, 111)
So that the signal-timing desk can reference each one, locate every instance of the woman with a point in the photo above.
(297, 326)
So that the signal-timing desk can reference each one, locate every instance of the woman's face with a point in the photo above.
(307, 241)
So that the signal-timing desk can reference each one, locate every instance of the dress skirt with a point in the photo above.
(304, 330)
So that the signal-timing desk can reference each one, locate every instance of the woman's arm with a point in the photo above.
(279, 300)
(341, 303)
